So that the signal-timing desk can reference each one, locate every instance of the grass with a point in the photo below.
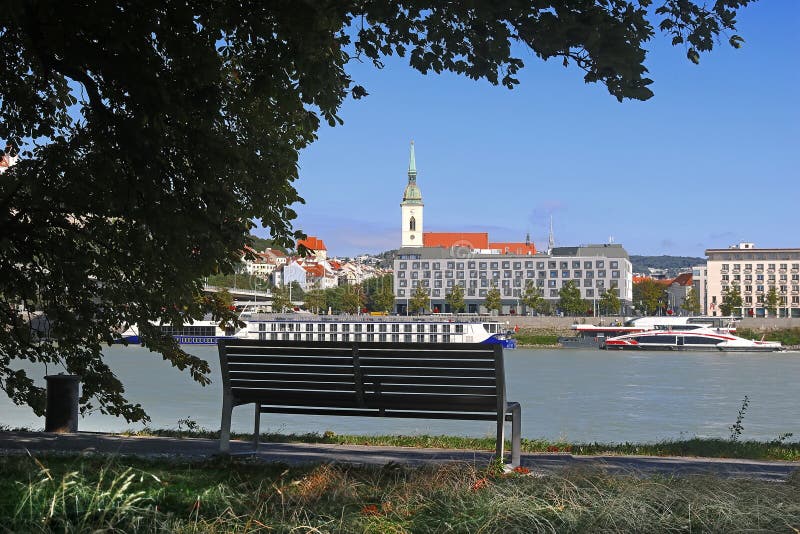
(778, 449)
(530, 339)
(787, 336)
(87, 493)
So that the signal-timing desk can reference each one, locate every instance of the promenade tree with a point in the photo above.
(609, 303)
(532, 296)
(420, 301)
(455, 298)
(280, 299)
(691, 303)
(315, 300)
(493, 300)
(153, 135)
(352, 300)
(731, 301)
(771, 300)
(382, 299)
(648, 295)
(570, 300)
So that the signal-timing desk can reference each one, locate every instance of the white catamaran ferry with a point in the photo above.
(367, 328)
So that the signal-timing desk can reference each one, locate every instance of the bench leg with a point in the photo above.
(225, 427)
(516, 434)
(499, 451)
(257, 427)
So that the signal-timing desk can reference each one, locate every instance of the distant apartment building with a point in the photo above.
(754, 271)
(437, 261)
(700, 286)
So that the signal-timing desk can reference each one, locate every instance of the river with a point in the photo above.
(575, 395)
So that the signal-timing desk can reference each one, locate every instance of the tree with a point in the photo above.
(609, 303)
(691, 303)
(353, 298)
(383, 299)
(532, 296)
(731, 301)
(280, 299)
(771, 300)
(455, 298)
(570, 300)
(493, 300)
(420, 301)
(162, 131)
(648, 295)
(315, 300)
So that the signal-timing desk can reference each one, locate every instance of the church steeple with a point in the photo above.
(412, 165)
(412, 194)
(411, 207)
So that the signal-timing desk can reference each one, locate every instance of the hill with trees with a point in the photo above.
(673, 264)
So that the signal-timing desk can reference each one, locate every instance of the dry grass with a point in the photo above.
(121, 495)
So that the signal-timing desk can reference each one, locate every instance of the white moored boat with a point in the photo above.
(367, 328)
(700, 339)
(589, 335)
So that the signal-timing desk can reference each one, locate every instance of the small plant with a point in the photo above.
(783, 437)
(190, 424)
(736, 428)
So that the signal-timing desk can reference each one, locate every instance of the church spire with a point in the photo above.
(551, 242)
(412, 165)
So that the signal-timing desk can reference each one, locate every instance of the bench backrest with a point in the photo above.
(453, 381)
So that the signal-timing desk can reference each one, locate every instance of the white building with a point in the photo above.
(754, 271)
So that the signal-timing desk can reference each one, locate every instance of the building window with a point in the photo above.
(587, 265)
(412, 224)
(590, 293)
(564, 274)
(553, 274)
(577, 274)
(614, 264)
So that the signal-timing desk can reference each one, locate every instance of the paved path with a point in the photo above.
(294, 453)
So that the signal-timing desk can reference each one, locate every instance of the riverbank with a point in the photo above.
(87, 492)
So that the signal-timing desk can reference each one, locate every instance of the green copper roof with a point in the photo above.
(412, 194)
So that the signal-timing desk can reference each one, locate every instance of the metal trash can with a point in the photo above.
(61, 414)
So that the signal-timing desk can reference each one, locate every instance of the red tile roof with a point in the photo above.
(474, 240)
(514, 248)
(315, 270)
(312, 243)
(684, 279)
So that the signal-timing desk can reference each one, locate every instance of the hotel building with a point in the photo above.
(754, 271)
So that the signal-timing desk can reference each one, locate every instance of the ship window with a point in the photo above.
(698, 340)
(446, 339)
(395, 338)
(432, 338)
(459, 329)
(407, 338)
(420, 338)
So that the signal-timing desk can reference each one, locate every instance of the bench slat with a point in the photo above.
(291, 351)
(284, 368)
(371, 387)
(294, 377)
(464, 416)
(272, 385)
(293, 360)
(441, 380)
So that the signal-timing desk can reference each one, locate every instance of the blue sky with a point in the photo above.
(710, 160)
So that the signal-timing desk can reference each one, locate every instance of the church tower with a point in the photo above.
(411, 208)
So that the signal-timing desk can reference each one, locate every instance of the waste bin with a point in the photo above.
(61, 414)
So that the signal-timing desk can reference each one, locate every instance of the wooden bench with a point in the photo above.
(420, 380)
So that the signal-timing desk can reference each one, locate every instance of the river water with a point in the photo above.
(575, 395)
